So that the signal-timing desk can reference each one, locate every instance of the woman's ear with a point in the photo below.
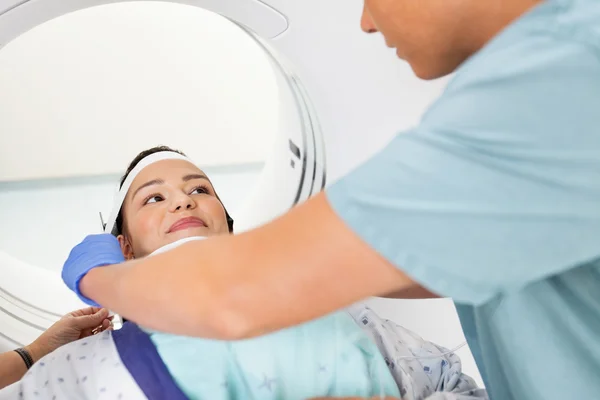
(125, 247)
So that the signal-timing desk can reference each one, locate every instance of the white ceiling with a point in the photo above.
(82, 94)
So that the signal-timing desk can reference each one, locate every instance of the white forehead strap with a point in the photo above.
(120, 196)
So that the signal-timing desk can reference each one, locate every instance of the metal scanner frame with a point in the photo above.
(357, 89)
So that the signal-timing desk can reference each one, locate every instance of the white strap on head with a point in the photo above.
(120, 196)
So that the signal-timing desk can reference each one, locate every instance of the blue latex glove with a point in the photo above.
(94, 251)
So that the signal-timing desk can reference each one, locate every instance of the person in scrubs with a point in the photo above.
(493, 200)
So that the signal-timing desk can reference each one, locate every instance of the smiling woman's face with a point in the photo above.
(167, 201)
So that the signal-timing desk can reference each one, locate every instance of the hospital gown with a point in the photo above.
(107, 366)
(422, 370)
(89, 368)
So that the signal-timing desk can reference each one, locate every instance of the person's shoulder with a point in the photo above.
(540, 78)
(555, 36)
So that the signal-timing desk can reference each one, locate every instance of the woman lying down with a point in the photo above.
(348, 353)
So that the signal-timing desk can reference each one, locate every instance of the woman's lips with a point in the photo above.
(185, 223)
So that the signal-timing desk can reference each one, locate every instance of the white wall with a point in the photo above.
(82, 95)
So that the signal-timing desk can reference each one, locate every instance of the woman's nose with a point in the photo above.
(183, 202)
(366, 22)
(186, 206)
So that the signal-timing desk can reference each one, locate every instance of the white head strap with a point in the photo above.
(120, 196)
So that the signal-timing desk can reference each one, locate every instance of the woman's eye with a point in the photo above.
(154, 199)
(200, 190)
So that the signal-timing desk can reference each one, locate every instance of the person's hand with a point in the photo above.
(94, 251)
(73, 326)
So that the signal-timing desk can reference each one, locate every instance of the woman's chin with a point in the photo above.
(189, 232)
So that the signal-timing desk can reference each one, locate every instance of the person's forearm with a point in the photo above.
(223, 297)
(301, 266)
(12, 368)
(149, 292)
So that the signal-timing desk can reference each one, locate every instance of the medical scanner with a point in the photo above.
(343, 96)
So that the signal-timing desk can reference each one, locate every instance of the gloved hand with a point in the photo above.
(94, 251)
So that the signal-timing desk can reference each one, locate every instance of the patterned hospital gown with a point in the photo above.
(85, 369)
(92, 369)
(422, 370)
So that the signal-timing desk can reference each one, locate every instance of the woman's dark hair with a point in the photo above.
(136, 161)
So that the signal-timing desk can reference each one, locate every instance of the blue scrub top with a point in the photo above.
(494, 200)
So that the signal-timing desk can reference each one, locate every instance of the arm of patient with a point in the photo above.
(12, 368)
(73, 326)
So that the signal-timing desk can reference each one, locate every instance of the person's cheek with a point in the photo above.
(150, 226)
(213, 207)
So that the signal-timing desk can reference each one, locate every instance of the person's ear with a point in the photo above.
(126, 247)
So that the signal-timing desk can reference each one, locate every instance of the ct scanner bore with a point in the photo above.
(324, 43)
(293, 172)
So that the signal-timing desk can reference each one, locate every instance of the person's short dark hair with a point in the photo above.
(136, 161)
